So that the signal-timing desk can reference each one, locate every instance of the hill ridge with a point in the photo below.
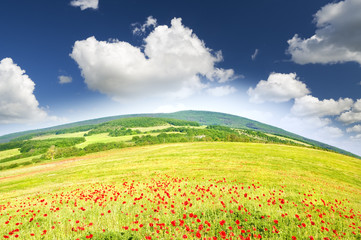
(202, 117)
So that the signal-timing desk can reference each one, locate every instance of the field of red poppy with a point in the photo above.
(186, 191)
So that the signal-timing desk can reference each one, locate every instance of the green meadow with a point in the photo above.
(235, 190)
(105, 138)
(8, 153)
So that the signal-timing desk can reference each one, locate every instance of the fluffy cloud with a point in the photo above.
(84, 4)
(312, 106)
(17, 101)
(352, 116)
(356, 137)
(139, 29)
(357, 106)
(279, 87)
(221, 91)
(64, 79)
(356, 129)
(172, 63)
(222, 75)
(337, 38)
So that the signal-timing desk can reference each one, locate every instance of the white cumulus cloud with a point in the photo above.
(312, 106)
(357, 137)
(65, 79)
(139, 29)
(356, 129)
(357, 106)
(221, 91)
(85, 4)
(350, 117)
(17, 100)
(172, 63)
(279, 87)
(337, 38)
(353, 115)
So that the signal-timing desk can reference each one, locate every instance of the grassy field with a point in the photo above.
(8, 153)
(186, 190)
(19, 161)
(67, 135)
(105, 138)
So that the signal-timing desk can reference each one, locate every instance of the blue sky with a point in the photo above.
(292, 64)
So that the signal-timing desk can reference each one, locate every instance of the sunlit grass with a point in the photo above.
(65, 135)
(105, 138)
(19, 161)
(295, 174)
(9, 153)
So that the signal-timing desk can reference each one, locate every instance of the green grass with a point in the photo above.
(241, 160)
(9, 153)
(105, 138)
(66, 135)
(19, 161)
(296, 175)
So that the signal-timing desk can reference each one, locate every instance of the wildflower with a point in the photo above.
(223, 234)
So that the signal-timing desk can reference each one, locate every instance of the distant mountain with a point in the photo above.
(202, 117)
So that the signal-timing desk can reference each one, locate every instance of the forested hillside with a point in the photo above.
(107, 125)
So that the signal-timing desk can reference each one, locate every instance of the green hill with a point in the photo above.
(215, 118)
(202, 117)
(184, 175)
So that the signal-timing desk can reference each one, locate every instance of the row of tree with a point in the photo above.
(117, 127)
(36, 147)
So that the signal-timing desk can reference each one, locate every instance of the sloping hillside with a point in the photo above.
(178, 190)
(202, 117)
(215, 118)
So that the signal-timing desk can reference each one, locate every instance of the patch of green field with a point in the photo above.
(19, 161)
(254, 183)
(66, 135)
(9, 153)
(105, 138)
